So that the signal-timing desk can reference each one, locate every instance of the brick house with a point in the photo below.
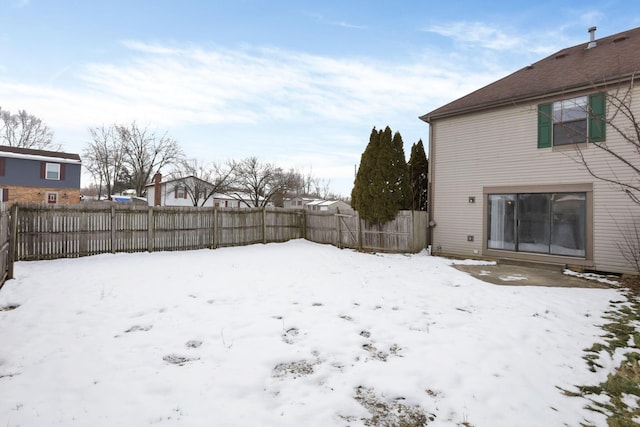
(504, 182)
(39, 176)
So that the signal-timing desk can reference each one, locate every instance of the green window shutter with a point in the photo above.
(597, 117)
(544, 125)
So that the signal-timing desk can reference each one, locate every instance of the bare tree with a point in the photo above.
(104, 157)
(146, 153)
(619, 157)
(623, 159)
(305, 184)
(257, 184)
(25, 131)
(201, 181)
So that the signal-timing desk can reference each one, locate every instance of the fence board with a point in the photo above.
(6, 261)
(56, 231)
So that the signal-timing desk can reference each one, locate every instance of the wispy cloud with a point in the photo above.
(192, 85)
(336, 23)
(477, 33)
(591, 17)
(501, 39)
(348, 25)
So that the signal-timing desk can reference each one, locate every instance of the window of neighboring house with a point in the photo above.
(52, 197)
(5, 194)
(547, 223)
(181, 192)
(52, 171)
(572, 121)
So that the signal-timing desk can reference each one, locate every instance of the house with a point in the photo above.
(333, 206)
(188, 191)
(39, 176)
(318, 205)
(505, 176)
(298, 202)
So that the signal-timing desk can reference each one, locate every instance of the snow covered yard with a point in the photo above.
(286, 335)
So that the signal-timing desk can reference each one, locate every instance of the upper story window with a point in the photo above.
(180, 192)
(52, 171)
(572, 121)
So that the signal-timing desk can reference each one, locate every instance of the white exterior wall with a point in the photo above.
(167, 197)
(499, 148)
(151, 191)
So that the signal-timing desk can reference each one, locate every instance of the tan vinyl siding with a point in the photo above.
(499, 148)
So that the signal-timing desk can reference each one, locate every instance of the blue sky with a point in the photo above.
(296, 83)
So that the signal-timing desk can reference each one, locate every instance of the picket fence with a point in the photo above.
(69, 231)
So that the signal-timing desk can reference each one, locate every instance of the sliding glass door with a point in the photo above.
(545, 223)
(502, 221)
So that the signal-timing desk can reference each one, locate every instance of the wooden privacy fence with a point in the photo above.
(58, 231)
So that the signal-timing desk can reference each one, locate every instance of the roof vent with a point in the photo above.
(620, 39)
(592, 38)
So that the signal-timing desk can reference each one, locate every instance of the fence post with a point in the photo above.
(264, 224)
(304, 224)
(359, 227)
(338, 230)
(215, 228)
(13, 242)
(113, 229)
(150, 230)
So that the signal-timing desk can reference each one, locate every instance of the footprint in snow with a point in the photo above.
(295, 369)
(176, 359)
(290, 335)
(193, 343)
(9, 307)
(136, 328)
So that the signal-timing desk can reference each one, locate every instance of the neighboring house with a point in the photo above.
(227, 201)
(318, 205)
(39, 176)
(183, 192)
(333, 206)
(503, 177)
(179, 192)
(298, 202)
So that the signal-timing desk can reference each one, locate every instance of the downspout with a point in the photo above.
(430, 182)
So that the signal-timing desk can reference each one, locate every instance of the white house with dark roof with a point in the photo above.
(191, 191)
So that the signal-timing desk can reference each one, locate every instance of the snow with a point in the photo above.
(41, 158)
(283, 335)
(593, 276)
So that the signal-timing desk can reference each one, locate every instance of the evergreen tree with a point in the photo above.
(418, 167)
(361, 199)
(402, 189)
(381, 187)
